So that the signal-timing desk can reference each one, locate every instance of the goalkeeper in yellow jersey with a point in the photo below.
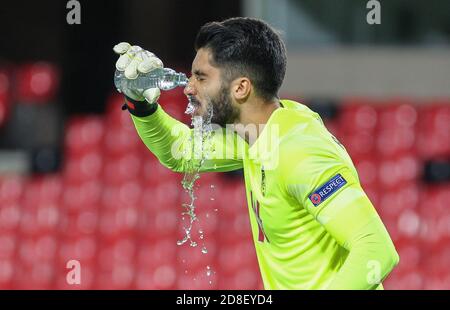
(313, 225)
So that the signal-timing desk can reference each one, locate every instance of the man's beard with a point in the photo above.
(223, 111)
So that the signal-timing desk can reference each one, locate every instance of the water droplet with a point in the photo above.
(215, 210)
(201, 237)
(204, 250)
(213, 186)
(212, 199)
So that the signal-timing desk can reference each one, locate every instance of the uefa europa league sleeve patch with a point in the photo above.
(327, 190)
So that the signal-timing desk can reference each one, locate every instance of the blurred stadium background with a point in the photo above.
(77, 183)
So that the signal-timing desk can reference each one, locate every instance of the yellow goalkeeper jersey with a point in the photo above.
(313, 226)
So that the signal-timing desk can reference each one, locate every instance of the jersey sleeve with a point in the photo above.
(329, 189)
(176, 146)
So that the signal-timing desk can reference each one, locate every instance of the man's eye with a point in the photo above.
(198, 78)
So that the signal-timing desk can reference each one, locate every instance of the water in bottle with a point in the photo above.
(163, 78)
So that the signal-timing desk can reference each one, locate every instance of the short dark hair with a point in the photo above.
(248, 47)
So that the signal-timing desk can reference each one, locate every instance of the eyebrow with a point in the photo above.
(199, 73)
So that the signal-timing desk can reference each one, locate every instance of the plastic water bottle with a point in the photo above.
(164, 79)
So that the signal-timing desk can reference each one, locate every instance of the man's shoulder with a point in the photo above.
(300, 123)
(302, 132)
(294, 112)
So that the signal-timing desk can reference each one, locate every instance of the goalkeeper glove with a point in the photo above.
(134, 60)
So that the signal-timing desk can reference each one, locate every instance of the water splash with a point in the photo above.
(201, 149)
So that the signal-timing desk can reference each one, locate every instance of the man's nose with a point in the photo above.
(189, 90)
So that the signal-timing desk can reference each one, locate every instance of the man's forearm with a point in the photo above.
(155, 131)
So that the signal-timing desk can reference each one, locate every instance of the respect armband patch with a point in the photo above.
(327, 190)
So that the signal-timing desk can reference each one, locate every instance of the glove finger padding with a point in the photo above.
(135, 54)
(151, 95)
(127, 54)
(122, 48)
(125, 59)
(149, 62)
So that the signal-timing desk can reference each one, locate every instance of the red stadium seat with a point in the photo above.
(7, 270)
(37, 82)
(126, 168)
(11, 189)
(357, 115)
(359, 144)
(10, 217)
(117, 223)
(397, 113)
(435, 264)
(83, 248)
(202, 278)
(396, 141)
(397, 171)
(162, 277)
(80, 224)
(163, 196)
(120, 277)
(394, 202)
(8, 245)
(198, 257)
(434, 130)
(155, 173)
(87, 167)
(120, 251)
(413, 280)
(247, 278)
(79, 197)
(119, 142)
(367, 168)
(38, 248)
(41, 219)
(159, 224)
(39, 276)
(434, 213)
(84, 135)
(232, 258)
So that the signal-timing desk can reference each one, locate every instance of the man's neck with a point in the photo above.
(253, 119)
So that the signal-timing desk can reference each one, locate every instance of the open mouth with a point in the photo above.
(194, 106)
(195, 103)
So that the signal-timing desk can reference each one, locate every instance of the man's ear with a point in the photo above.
(241, 88)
